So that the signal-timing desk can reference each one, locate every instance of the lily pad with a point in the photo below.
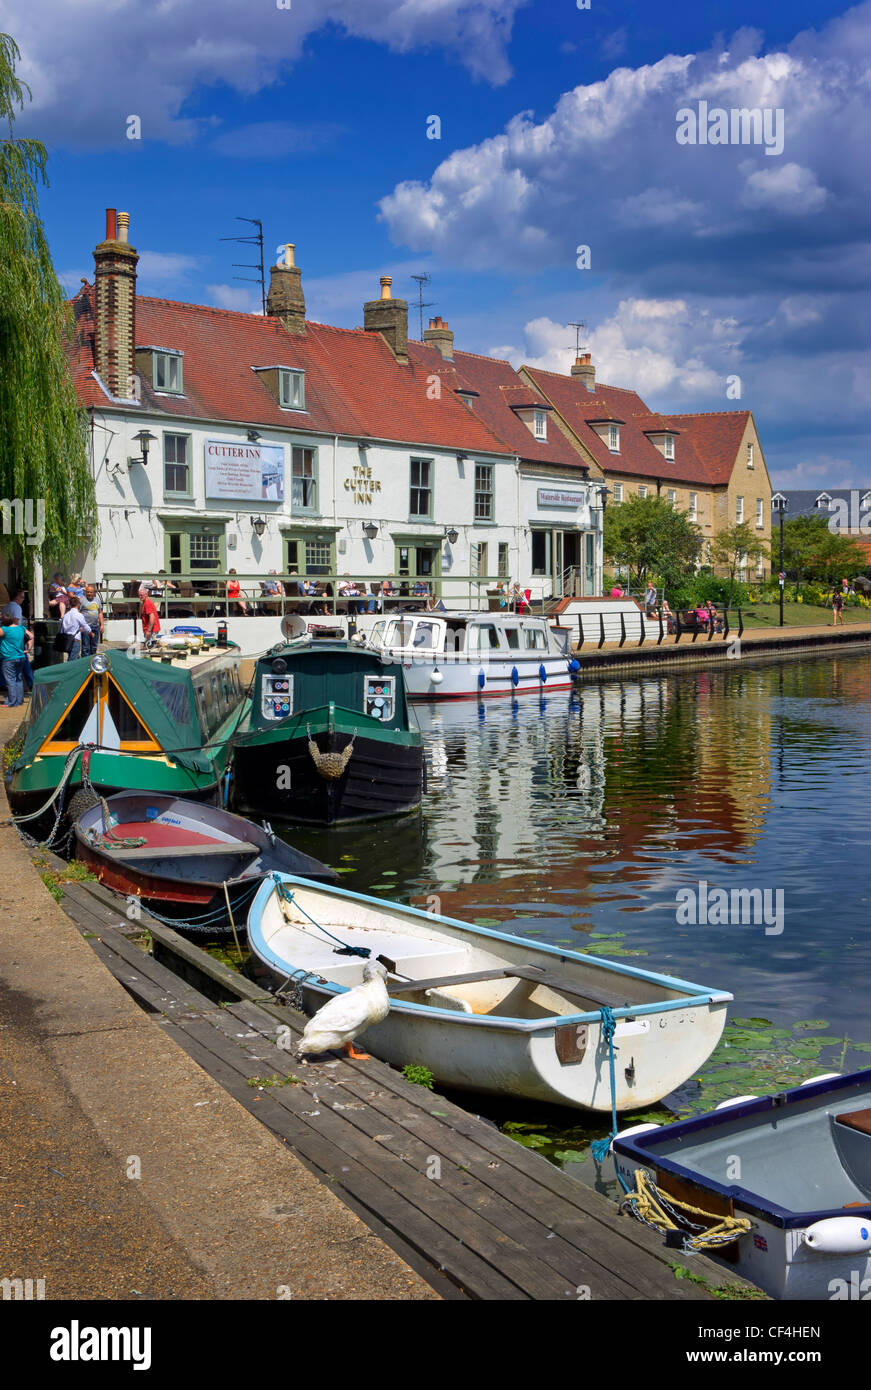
(569, 1155)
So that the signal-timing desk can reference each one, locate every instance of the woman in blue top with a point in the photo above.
(15, 640)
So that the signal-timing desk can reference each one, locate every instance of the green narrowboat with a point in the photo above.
(159, 723)
(329, 737)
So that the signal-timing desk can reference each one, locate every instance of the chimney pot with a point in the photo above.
(124, 227)
(584, 371)
(111, 224)
(289, 256)
(386, 282)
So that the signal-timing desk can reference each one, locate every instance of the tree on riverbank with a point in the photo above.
(653, 540)
(734, 549)
(812, 551)
(43, 452)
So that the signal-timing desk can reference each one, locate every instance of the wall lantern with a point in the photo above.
(452, 535)
(143, 439)
(370, 530)
(253, 437)
(259, 525)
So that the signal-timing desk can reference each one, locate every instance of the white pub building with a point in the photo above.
(227, 441)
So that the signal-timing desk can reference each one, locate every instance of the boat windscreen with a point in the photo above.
(76, 716)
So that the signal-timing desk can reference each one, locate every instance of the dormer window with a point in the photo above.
(614, 438)
(291, 389)
(824, 501)
(669, 447)
(167, 372)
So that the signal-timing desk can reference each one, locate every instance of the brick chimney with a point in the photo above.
(115, 262)
(585, 371)
(389, 317)
(285, 299)
(441, 337)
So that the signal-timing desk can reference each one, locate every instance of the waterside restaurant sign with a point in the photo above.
(244, 472)
(550, 498)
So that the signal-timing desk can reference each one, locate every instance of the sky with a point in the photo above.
(483, 142)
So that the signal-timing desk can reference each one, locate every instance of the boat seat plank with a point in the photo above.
(561, 983)
(856, 1119)
(177, 851)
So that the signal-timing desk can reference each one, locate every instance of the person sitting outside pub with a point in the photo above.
(91, 608)
(15, 641)
(234, 593)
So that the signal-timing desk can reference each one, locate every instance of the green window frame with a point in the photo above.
(310, 552)
(303, 478)
(167, 373)
(483, 492)
(291, 388)
(177, 475)
(195, 547)
(420, 500)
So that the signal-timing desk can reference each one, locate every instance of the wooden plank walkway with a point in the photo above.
(478, 1215)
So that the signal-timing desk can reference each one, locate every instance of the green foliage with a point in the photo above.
(652, 540)
(735, 547)
(709, 586)
(43, 453)
(812, 551)
(418, 1076)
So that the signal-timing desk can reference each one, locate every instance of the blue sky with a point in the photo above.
(557, 129)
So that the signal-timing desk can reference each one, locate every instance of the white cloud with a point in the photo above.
(163, 268)
(605, 162)
(91, 64)
(235, 297)
(340, 298)
(787, 188)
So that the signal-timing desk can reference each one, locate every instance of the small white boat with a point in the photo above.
(464, 656)
(794, 1168)
(484, 1010)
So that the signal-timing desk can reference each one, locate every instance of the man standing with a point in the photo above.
(91, 608)
(148, 615)
(75, 629)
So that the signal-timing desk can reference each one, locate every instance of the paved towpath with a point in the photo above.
(92, 1092)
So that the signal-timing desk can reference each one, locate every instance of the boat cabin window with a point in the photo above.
(512, 637)
(455, 638)
(535, 639)
(76, 716)
(425, 635)
(376, 636)
(129, 725)
(483, 637)
(399, 632)
(379, 696)
(276, 696)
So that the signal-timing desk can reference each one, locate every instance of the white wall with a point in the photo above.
(133, 507)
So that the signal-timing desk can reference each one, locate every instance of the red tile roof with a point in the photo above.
(354, 385)
(500, 392)
(706, 446)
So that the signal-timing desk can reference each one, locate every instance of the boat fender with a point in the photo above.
(736, 1100)
(482, 680)
(574, 666)
(436, 676)
(542, 673)
(826, 1076)
(637, 1129)
(840, 1235)
(515, 676)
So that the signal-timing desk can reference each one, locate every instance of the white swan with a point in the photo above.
(341, 1019)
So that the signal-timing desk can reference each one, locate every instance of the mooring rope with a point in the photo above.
(285, 895)
(653, 1208)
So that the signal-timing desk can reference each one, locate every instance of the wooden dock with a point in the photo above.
(476, 1214)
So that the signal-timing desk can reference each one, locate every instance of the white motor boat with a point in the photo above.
(464, 656)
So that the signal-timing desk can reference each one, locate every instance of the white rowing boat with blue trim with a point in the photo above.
(485, 1010)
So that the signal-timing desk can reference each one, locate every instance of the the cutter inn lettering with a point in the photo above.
(741, 125)
(361, 485)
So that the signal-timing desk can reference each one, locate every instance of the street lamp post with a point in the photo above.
(779, 503)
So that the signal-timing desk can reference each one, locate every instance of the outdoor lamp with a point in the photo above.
(253, 437)
(452, 535)
(370, 530)
(259, 525)
(99, 664)
(143, 439)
